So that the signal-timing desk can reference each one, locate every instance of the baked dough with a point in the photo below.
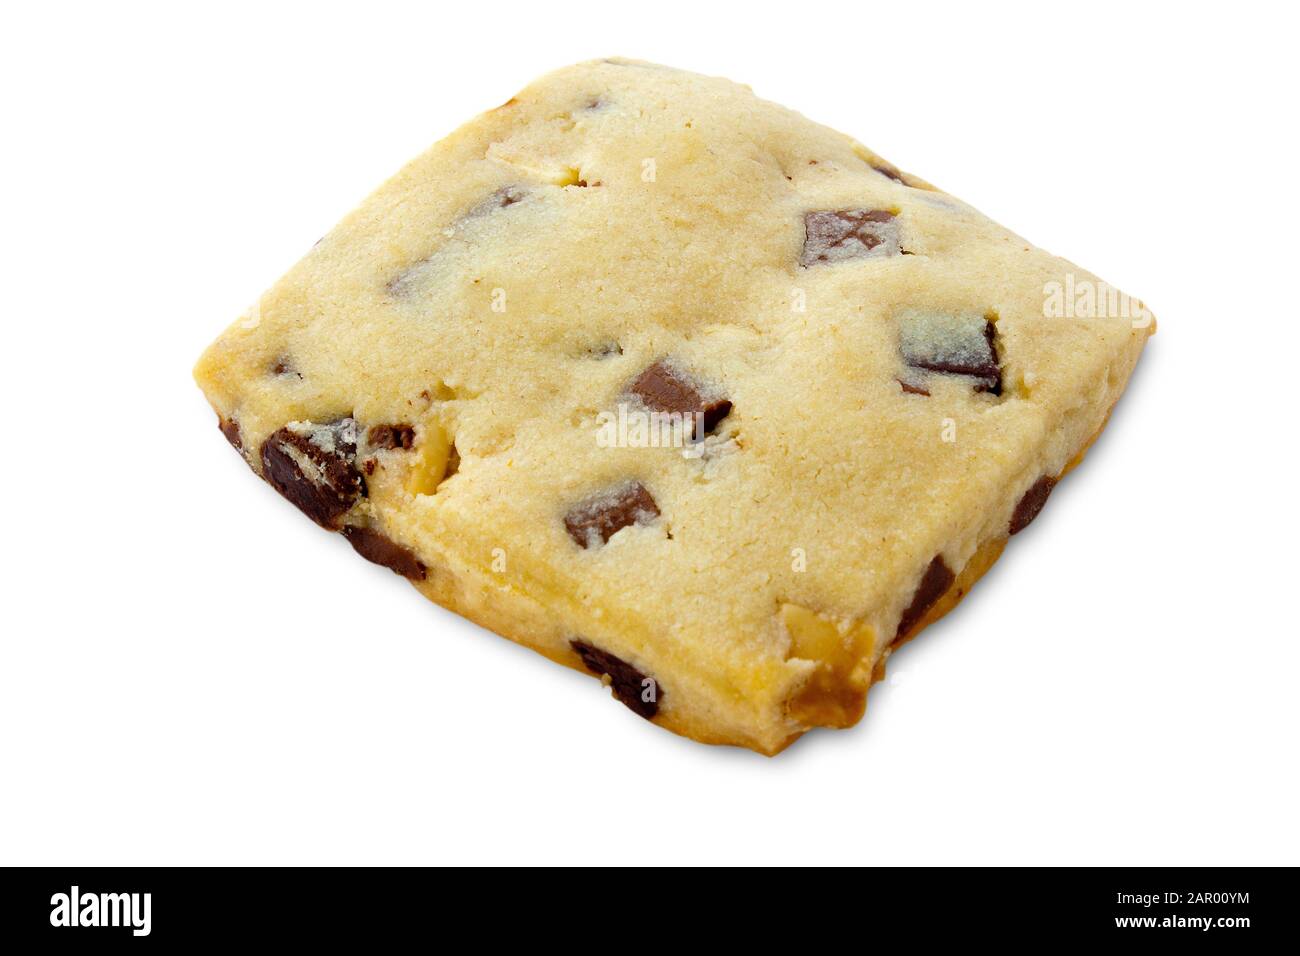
(674, 386)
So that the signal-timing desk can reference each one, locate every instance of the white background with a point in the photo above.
(190, 672)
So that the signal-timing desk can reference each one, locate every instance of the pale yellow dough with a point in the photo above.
(483, 295)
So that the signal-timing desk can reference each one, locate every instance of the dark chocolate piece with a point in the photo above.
(316, 471)
(634, 690)
(401, 285)
(663, 388)
(1031, 503)
(889, 171)
(937, 579)
(912, 389)
(391, 436)
(230, 428)
(833, 235)
(283, 367)
(954, 345)
(381, 549)
(594, 521)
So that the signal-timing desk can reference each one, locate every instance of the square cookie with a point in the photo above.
(678, 388)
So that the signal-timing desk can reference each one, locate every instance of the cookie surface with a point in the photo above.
(676, 387)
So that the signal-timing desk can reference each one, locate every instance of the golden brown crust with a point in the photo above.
(984, 558)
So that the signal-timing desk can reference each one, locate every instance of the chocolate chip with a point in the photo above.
(889, 171)
(663, 388)
(230, 428)
(282, 367)
(912, 389)
(952, 343)
(315, 468)
(634, 690)
(391, 436)
(937, 579)
(381, 549)
(834, 235)
(405, 282)
(594, 521)
(1031, 503)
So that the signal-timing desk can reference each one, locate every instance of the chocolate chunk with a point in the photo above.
(663, 388)
(381, 549)
(635, 690)
(391, 436)
(230, 428)
(889, 171)
(594, 521)
(912, 389)
(833, 235)
(937, 579)
(315, 468)
(955, 344)
(282, 367)
(1031, 503)
(405, 282)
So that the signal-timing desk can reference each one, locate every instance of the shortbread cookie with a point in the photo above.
(676, 387)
